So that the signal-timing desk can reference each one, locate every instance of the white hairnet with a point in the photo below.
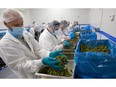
(53, 23)
(10, 15)
(64, 22)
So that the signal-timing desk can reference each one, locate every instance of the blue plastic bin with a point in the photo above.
(88, 36)
(95, 64)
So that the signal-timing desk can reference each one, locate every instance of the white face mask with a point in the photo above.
(54, 31)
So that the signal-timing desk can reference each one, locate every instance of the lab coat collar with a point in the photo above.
(49, 33)
(28, 40)
(8, 35)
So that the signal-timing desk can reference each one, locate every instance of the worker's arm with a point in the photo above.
(39, 51)
(32, 31)
(18, 61)
(48, 44)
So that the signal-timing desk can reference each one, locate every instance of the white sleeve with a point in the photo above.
(18, 61)
(32, 31)
(48, 44)
(39, 51)
(63, 37)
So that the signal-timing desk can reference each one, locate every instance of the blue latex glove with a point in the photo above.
(71, 35)
(67, 44)
(52, 62)
(55, 53)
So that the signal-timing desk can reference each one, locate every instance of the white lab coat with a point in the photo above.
(19, 58)
(48, 41)
(38, 28)
(44, 26)
(60, 34)
(32, 31)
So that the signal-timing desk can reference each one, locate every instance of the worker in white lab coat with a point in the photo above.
(48, 39)
(32, 31)
(73, 25)
(20, 51)
(44, 26)
(74, 28)
(36, 31)
(34, 28)
(63, 31)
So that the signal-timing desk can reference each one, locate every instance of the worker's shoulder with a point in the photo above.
(7, 42)
(45, 35)
(8, 39)
(5, 38)
(27, 33)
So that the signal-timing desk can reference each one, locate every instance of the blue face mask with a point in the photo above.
(17, 32)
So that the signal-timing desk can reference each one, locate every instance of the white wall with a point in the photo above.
(1, 23)
(27, 18)
(95, 17)
(101, 18)
(107, 25)
(47, 15)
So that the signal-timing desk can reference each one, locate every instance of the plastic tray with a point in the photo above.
(70, 66)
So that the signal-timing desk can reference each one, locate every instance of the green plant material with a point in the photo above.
(63, 60)
(52, 71)
(70, 56)
(69, 53)
(85, 48)
(63, 72)
(73, 43)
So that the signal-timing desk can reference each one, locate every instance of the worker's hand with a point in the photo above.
(52, 62)
(55, 53)
(71, 35)
(66, 43)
